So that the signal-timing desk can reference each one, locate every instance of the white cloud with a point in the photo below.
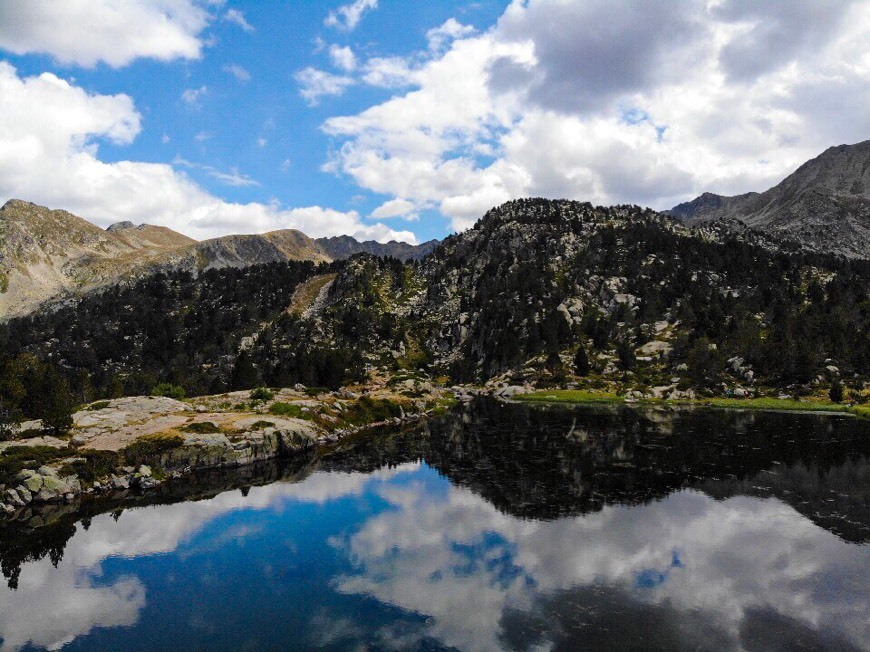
(348, 16)
(611, 102)
(439, 37)
(50, 129)
(342, 57)
(85, 32)
(396, 208)
(238, 17)
(736, 556)
(238, 72)
(192, 96)
(231, 178)
(262, 142)
(388, 72)
(314, 84)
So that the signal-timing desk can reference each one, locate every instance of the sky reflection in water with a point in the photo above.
(406, 557)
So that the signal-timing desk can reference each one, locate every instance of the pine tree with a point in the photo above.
(581, 362)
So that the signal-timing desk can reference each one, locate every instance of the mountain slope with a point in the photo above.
(824, 205)
(47, 255)
(653, 304)
(534, 279)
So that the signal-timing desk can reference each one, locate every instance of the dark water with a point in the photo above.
(501, 527)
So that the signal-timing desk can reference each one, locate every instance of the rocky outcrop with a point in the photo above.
(344, 246)
(148, 439)
(824, 205)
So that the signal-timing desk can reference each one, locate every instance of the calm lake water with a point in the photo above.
(500, 527)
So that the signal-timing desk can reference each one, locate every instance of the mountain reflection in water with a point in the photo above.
(498, 527)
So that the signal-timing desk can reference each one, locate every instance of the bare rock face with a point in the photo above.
(344, 246)
(823, 206)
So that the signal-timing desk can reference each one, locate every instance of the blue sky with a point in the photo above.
(388, 119)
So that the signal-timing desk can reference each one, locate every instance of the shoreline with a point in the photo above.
(193, 437)
(764, 404)
(136, 444)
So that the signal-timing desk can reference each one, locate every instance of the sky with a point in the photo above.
(386, 119)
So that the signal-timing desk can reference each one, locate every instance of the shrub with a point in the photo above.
(99, 405)
(370, 410)
(96, 464)
(150, 446)
(836, 392)
(262, 394)
(168, 390)
(262, 425)
(288, 410)
(16, 458)
(202, 428)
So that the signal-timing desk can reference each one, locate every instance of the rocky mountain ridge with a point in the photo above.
(344, 246)
(824, 205)
(46, 255)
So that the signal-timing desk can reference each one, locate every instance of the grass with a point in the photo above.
(307, 292)
(570, 396)
(764, 403)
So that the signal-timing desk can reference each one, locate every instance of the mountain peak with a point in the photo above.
(120, 226)
(824, 205)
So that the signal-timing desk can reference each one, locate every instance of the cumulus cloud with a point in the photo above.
(388, 72)
(439, 37)
(348, 16)
(396, 208)
(51, 129)
(342, 57)
(86, 32)
(417, 556)
(611, 102)
(314, 84)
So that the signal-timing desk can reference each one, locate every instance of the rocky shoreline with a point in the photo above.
(139, 443)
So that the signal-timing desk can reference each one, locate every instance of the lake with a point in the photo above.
(500, 526)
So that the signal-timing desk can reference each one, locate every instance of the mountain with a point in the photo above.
(824, 205)
(515, 296)
(47, 255)
(344, 246)
(651, 303)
